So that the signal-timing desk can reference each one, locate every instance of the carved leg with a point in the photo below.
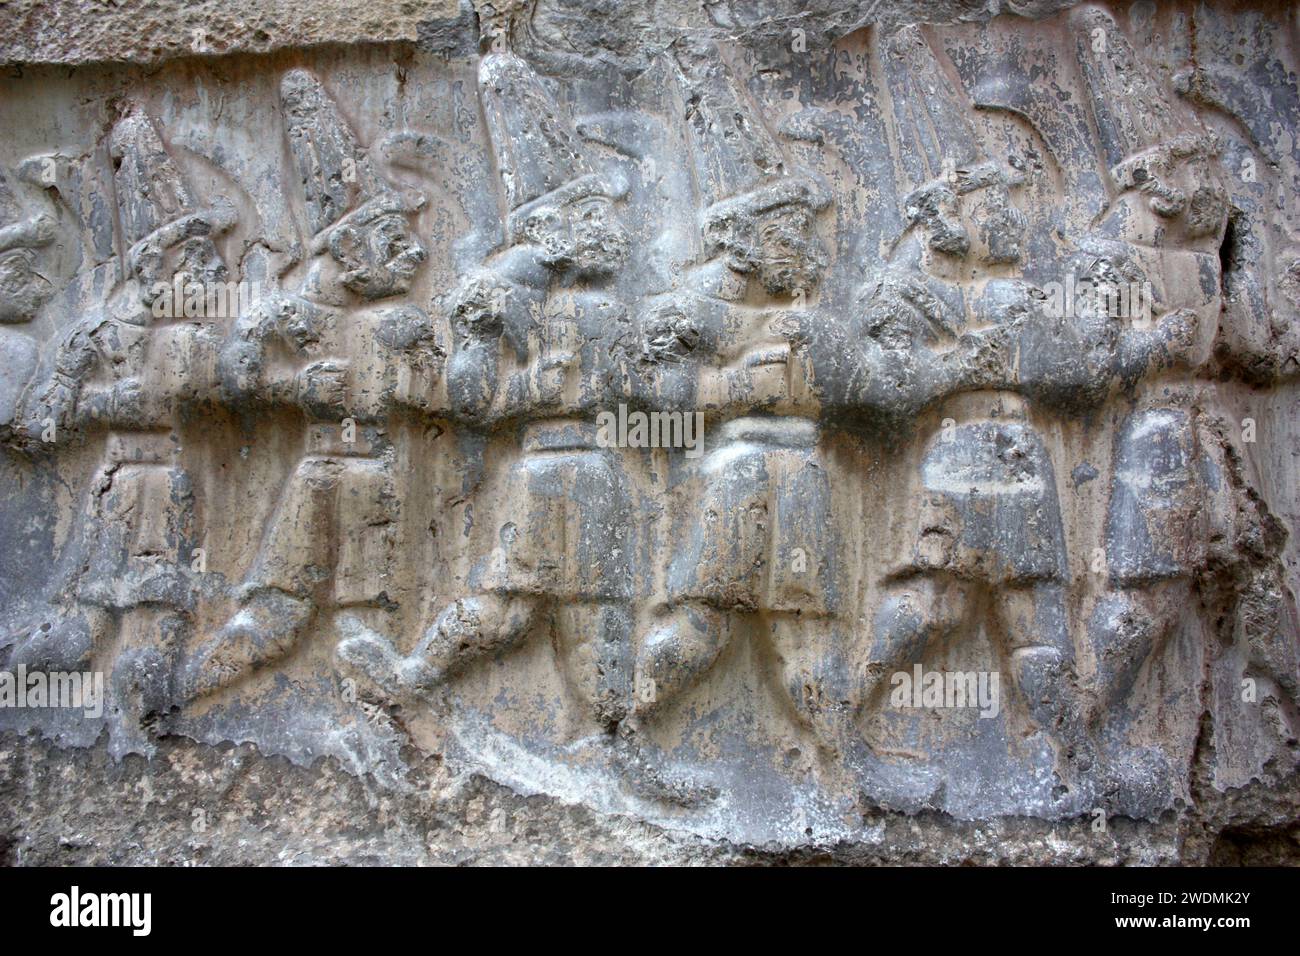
(366, 656)
(300, 550)
(674, 657)
(474, 627)
(1035, 626)
(143, 676)
(1264, 620)
(915, 614)
(1127, 629)
(814, 676)
(670, 661)
(465, 631)
(265, 628)
(64, 643)
(596, 657)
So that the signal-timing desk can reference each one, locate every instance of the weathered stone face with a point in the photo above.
(758, 424)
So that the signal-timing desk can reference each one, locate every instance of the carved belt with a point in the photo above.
(329, 438)
(560, 434)
(141, 447)
(986, 405)
(779, 430)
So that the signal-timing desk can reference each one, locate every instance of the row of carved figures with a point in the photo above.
(543, 335)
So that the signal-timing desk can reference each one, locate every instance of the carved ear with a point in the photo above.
(717, 237)
(538, 224)
(728, 237)
(148, 264)
(346, 247)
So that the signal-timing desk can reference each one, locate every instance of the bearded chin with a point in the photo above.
(392, 285)
(790, 280)
(594, 267)
(557, 257)
(372, 284)
(1005, 254)
(22, 306)
(598, 261)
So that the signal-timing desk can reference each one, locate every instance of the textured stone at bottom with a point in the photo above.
(230, 805)
(560, 429)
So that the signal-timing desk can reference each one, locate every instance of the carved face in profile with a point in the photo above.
(196, 258)
(982, 225)
(940, 210)
(669, 335)
(995, 226)
(379, 258)
(23, 290)
(1174, 201)
(584, 237)
(788, 254)
(1191, 197)
(1288, 284)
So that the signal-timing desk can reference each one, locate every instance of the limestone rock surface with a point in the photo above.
(551, 431)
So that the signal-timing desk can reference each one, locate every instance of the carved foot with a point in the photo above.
(1133, 781)
(59, 643)
(646, 776)
(368, 657)
(142, 693)
(909, 788)
(261, 632)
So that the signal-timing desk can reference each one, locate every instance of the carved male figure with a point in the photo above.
(1175, 524)
(983, 529)
(23, 291)
(531, 329)
(130, 370)
(755, 556)
(327, 352)
(988, 523)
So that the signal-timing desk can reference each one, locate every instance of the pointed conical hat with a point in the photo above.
(538, 153)
(156, 208)
(937, 144)
(1137, 120)
(18, 229)
(739, 165)
(931, 117)
(339, 184)
(150, 189)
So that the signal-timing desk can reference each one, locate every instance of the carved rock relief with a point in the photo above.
(741, 431)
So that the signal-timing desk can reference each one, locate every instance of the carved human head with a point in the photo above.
(184, 247)
(771, 234)
(970, 215)
(376, 247)
(669, 333)
(1182, 186)
(23, 290)
(379, 258)
(478, 304)
(582, 236)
